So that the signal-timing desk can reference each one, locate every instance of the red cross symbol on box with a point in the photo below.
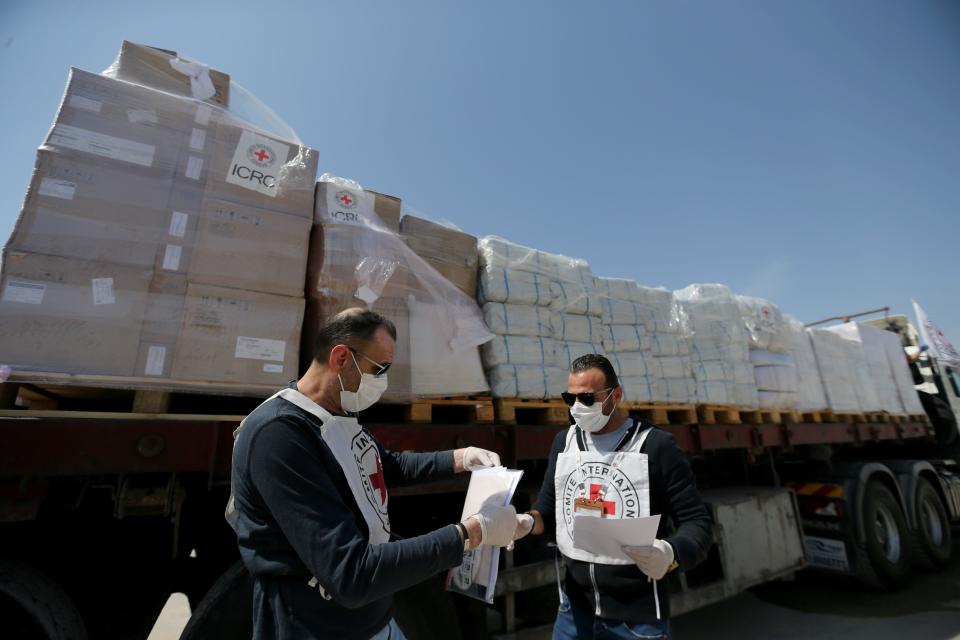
(346, 200)
(261, 155)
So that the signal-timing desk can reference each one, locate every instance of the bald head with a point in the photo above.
(354, 327)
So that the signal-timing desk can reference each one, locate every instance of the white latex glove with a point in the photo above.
(498, 524)
(524, 525)
(475, 458)
(654, 560)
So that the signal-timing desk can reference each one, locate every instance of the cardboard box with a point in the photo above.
(335, 204)
(121, 124)
(70, 316)
(150, 66)
(230, 335)
(162, 321)
(248, 248)
(463, 278)
(336, 250)
(439, 243)
(248, 166)
(88, 210)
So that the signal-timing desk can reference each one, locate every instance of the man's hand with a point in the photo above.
(498, 524)
(524, 525)
(654, 561)
(473, 458)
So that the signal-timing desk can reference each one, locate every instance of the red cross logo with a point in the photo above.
(609, 508)
(377, 481)
(345, 199)
(261, 154)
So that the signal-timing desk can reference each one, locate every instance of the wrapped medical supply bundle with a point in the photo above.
(770, 342)
(358, 259)
(163, 233)
(719, 345)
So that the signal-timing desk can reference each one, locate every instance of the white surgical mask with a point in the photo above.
(592, 418)
(370, 389)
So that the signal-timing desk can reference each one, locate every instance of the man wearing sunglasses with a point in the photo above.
(309, 500)
(612, 465)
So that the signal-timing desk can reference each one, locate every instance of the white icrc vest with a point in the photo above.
(627, 491)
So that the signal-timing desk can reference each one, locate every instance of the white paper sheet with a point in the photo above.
(477, 576)
(606, 536)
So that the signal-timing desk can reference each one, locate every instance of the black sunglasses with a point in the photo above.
(383, 367)
(587, 398)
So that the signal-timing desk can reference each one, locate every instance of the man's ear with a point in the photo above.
(618, 394)
(338, 358)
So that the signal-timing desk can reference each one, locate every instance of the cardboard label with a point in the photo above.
(142, 116)
(178, 224)
(350, 206)
(156, 357)
(260, 348)
(171, 257)
(79, 102)
(57, 188)
(100, 144)
(24, 292)
(198, 138)
(194, 167)
(203, 115)
(256, 163)
(273, 368)
(103, 291)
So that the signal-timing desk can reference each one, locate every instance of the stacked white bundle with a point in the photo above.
(643, 337)
(886, 370)
(836, 358)
(542, 307)
(719, 351)
(811, 396)
(769, 339)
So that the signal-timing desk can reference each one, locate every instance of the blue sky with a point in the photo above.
(805, 151)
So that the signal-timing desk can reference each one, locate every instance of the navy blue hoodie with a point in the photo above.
(297, 519)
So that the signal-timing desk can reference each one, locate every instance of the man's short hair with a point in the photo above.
(596, 361)
(352, 327)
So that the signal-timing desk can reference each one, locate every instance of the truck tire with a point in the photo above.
(883, 559)
(226, 611)
(34, 607)
(932, 539)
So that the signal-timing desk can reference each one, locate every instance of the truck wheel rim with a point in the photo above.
(888, 534)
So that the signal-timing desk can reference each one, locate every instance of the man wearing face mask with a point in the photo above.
(611, 465)
(309, 500)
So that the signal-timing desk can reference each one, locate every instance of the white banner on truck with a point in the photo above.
(930, 335)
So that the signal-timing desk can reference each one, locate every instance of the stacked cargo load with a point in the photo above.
(770, 342)
(162, 236)
(358, 258)
(719, 346)
(544, 311)
(810, 393)
(886, 372)
(643, 335)
(450, 251)
(838, 360)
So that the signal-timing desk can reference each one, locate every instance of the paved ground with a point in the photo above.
(813, 606)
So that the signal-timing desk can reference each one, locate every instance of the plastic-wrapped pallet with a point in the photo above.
(836, 357)
(884, 355)
(719, 344)
(163, 234)
(868, 384)
(644, 339)
(547, 299)
(358, 259)
(810, 393)
(775, 370)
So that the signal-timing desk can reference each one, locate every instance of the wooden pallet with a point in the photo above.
(778, 416)
(834, 417)
(524, 411)
(448, 410)
(718, 414)
(918, 417)
(662, 413)
(815, 417)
